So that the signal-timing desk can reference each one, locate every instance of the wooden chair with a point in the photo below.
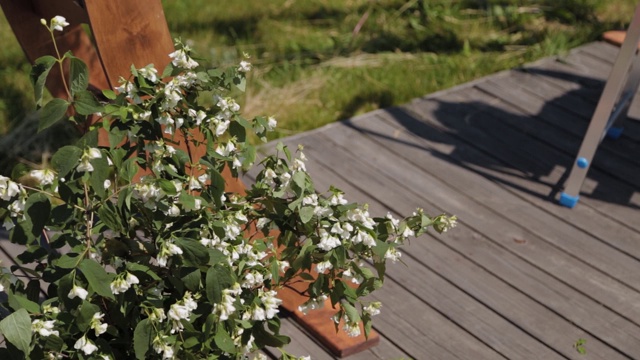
(129, 32)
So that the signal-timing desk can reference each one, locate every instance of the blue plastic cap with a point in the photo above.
(569, 200)
(582, 162)
(614, 132)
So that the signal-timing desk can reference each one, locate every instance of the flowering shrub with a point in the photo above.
(170, 265)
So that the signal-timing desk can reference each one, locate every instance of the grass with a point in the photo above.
(318, 61)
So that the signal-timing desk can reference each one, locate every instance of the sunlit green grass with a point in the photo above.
(318, 61)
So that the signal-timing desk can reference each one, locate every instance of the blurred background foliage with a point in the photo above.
(318, 61)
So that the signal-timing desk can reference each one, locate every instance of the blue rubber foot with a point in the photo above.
(614, 133)
(568, 200)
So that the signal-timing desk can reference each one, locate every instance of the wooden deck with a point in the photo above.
(521, 277)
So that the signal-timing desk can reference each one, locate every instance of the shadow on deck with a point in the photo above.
(521, 277)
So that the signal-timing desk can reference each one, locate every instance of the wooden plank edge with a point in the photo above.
(320, 325)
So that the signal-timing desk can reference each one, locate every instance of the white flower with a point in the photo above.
(327, 241)
(97, 325)
(44, 177)
(160, 346)
(337, 199)
(226, 150)
(298, 165)
(173, 211)
(448, 223)
(87, 156)
(131, 279)
(58, 23)
(8, 223)
(181, 59)
(245, 66)
(323, 266)
(106, 184)
(271, 123)
(119, 285)
(269, 175)
(258, 314)
(393, 254)
(44, 328)
(8, 188)
(85, 345)
(351, 328)
(178, 312)
(373, 308)
(361, 216)
(158, 315)
(79, 292)
(149, 72)
(270, 303)
(365, 238)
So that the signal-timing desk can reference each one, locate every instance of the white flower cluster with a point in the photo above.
(85, 160)
(44, 327)
(269, 308)
(8, 192)
(123, 283)
(181, 310)
(162, 346)
(58, 23)
(167, 249)
(226, 307)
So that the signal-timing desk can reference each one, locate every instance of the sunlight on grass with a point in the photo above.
(319, 61)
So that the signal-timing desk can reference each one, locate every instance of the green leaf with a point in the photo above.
(109, 216)
(33, 291)
(99, 174)
(66, 159)
(224, 341)
(265, 338)
(17, 302)
(38, 75)
(218, 278)
(97, 277)
(78, 75)
(306, 214)
(351, 311)
(16, 328)
(129, 169)
(168, 187)
(67, 261)
(83, 319)
(192, 280)
(86, 104)
(142, 339)
(139, 268)
(300, 179)
(194, 253)
(37, 209)
(51, 113)
(109, 94)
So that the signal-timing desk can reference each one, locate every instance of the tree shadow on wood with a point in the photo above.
(358, 104)
(496, 140)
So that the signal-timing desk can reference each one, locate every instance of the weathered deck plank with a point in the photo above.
(503, 231)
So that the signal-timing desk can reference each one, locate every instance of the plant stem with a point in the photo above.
(60, 60)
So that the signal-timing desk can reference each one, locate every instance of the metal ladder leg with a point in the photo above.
(602, 114)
